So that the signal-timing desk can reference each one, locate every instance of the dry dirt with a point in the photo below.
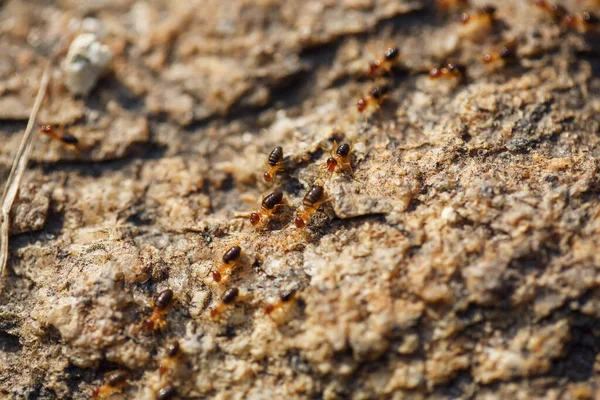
(460, 260)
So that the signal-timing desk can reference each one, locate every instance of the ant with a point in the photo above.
(276, 163)
(161, 306)
(390, 58)
(268, 205)
(230, 259)
(376, 96)
(313, 199)
(166, 393)
(450, 71)
(172, 354)
(339, 156)
(228, 298)
(582, 23)
(67, 140)
(449, 4)
(284, 298)
(114, 381)
(477, 24)
(506, 55)
(555, 11)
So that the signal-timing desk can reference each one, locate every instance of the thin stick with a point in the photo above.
(17, 170)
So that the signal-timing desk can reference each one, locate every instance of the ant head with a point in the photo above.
(254, 218)
(331, 164)
(267, 176)
(216, 276)
(373, 67)
(46, 128)
(299, 222)
(361, 104)
(435, 73)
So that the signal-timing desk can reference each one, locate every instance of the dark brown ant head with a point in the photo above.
(267, 177)
(117, 378)
(166, 393)
(391, 54)
(173, 349)
(230, 295)
(343, 150)
(233, 254)
(272, 199)
(287, 295)
(254, 218)
(164, 299)
(216, 276)
(276, 156)
(299, 222)
(361, 105)
(69, 139)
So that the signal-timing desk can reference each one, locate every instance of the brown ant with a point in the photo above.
(477, 24)
(172, 354)
(313, 199)
(166, 393)
(507, 54)
(452, 4)
(373, 101)
(67, 140)
(449, 71)
(339, 156)
(228, 298)
(268, 205)
(284, 298)
(161, 306)
(555, 11)
(114, 381)
(276, 163)
(582, 23)
(230, 259)
(390, 59)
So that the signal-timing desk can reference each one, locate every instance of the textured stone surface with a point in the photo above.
(460, 260)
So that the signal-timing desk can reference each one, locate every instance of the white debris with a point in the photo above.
(86, 61)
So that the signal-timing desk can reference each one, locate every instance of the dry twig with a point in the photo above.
(18, 167)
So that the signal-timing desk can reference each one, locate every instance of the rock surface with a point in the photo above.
(458, 259)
